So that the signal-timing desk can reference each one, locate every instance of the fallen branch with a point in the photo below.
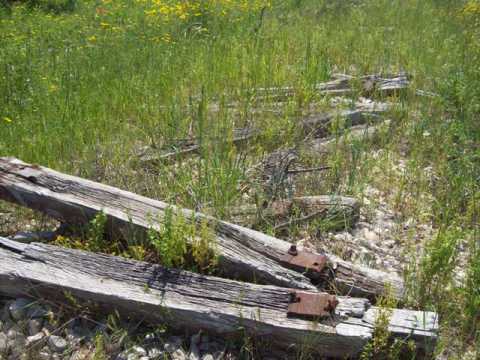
(243, 253)
(187, 300)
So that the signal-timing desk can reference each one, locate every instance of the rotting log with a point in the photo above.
(343, 85)
(243, 253)
(188, 300)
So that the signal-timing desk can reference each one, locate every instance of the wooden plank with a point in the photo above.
(354, 134)
(317, 125)
(338, 209)
(243, 253)
(74, 200)
(184, 148)
(187, 300)
(341, 86)
(320, 125)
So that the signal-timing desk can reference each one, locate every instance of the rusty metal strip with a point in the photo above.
(306, 261)
(311, 305)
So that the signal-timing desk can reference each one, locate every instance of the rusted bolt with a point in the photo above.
(294, 298)
(293, 250)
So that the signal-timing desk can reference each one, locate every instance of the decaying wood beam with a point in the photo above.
(320, 125)
(184, 148)
(340, 209)
(355, 133)
(243, 253)
(187, 300)
(76, 201)
(343, 85)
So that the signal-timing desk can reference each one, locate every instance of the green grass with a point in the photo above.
(84, 85)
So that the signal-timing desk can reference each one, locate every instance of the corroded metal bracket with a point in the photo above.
(304, 260)
(311, 305)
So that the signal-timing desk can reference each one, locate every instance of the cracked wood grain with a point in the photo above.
(243, 253)
(187, 300)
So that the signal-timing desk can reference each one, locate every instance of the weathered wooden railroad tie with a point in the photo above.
(319, 322)
(243, 253)
(288, 308)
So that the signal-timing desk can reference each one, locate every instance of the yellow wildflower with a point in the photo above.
(7, 119)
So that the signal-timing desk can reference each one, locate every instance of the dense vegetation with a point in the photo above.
(84, 85)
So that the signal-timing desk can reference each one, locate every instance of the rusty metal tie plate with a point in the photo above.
(305, 260)
(311, 305)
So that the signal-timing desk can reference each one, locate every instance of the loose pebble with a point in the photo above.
(18, 308)
(178, 354)
(57, 343)
(155, 353)
(3, 342)
(34, 326)
(34, 339)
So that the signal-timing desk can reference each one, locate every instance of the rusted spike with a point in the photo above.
(304, 260)
(311, 305)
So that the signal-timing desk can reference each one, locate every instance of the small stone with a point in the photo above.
(26, 237)
(34, 338)
(34, 326)
(16, 344)
(81, 354)
(44, 354)
(13, 333)
(18, 309)
(139, 350)
(343, 237)
(3, 342)
(57, 343)
(194, 353)
(370, 235)
(122, 356)
(218, 355)
(7, 325)
(178, 354)
(155, 353)
(172, 344)
(150, 338)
